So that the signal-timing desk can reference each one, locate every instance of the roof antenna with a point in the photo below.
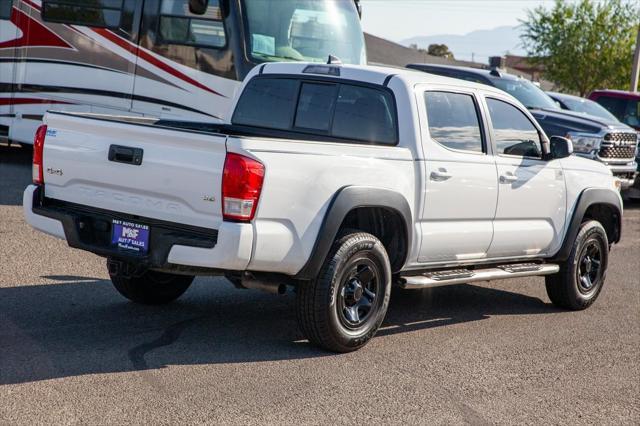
(334, 60)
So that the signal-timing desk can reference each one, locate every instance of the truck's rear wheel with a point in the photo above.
(151, 287)
(582, 276)
(343, 308)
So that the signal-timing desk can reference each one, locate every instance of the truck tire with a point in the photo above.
(151, 287)
(582, 275)
(342, 309)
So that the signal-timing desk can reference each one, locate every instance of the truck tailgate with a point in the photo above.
(177, 180)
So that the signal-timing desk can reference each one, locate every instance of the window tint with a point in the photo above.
(453, 120)
(586, 106)
(474, 79)
(5, 9)
(365, 114)
(626, 110)
(529, 95)
(98, 13)
(315, 107)
(267, 102)
(330, 109)
(513, 132)
(179, 26)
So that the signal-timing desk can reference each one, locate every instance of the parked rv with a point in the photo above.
(172, 59)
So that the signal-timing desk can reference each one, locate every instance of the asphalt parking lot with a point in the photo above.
(72, 350)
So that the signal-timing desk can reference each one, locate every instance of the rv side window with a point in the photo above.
(5, 9)
(99, 13)
(179, 26)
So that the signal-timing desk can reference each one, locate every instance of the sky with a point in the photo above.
(400, 19)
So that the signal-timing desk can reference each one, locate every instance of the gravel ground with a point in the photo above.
(73, 351)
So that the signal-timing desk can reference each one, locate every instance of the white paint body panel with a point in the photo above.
(468, 218)
(47, 225)
(457, 212)
(531, 212)
(232, 250)
(178, 170)
(301, 180)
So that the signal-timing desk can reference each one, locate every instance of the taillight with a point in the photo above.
(241, 186)
(38, 148)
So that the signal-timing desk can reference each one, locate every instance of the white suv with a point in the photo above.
(338, 181)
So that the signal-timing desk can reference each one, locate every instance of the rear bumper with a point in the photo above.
(172, 247)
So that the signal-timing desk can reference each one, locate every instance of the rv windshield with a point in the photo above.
(303, 30)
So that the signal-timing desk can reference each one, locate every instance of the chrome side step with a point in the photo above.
(462, 276)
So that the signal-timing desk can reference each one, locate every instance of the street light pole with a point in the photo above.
(635, 69)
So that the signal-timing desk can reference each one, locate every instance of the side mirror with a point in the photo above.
(560, 147)
(198, 7)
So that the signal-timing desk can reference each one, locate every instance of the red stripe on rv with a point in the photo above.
(34, 34)
(132, 48)
(27, 101)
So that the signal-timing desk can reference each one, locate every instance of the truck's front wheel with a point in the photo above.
(151, 287)
(343, 308)
(582, 275)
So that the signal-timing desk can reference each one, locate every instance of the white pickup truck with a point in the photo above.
(338, 181)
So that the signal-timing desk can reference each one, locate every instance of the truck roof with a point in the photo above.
(371, 74)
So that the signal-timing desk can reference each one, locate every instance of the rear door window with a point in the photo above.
(453, 121)
(337, 110)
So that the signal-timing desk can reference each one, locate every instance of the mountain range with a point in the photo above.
(477, 45)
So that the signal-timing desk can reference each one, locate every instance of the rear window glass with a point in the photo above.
(365, 113)
(316, 105)
(338, 110)
(267, 103)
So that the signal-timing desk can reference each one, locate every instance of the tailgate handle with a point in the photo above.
(125, 154)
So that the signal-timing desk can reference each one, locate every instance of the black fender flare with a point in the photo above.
(344, 201)
(588, 198)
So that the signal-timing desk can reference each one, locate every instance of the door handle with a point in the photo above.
(125, 154)
(508, 178)
(440, 175)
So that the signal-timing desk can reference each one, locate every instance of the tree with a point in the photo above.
(583, 46)
(441, 50)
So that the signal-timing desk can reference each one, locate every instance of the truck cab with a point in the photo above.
(612, 143)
